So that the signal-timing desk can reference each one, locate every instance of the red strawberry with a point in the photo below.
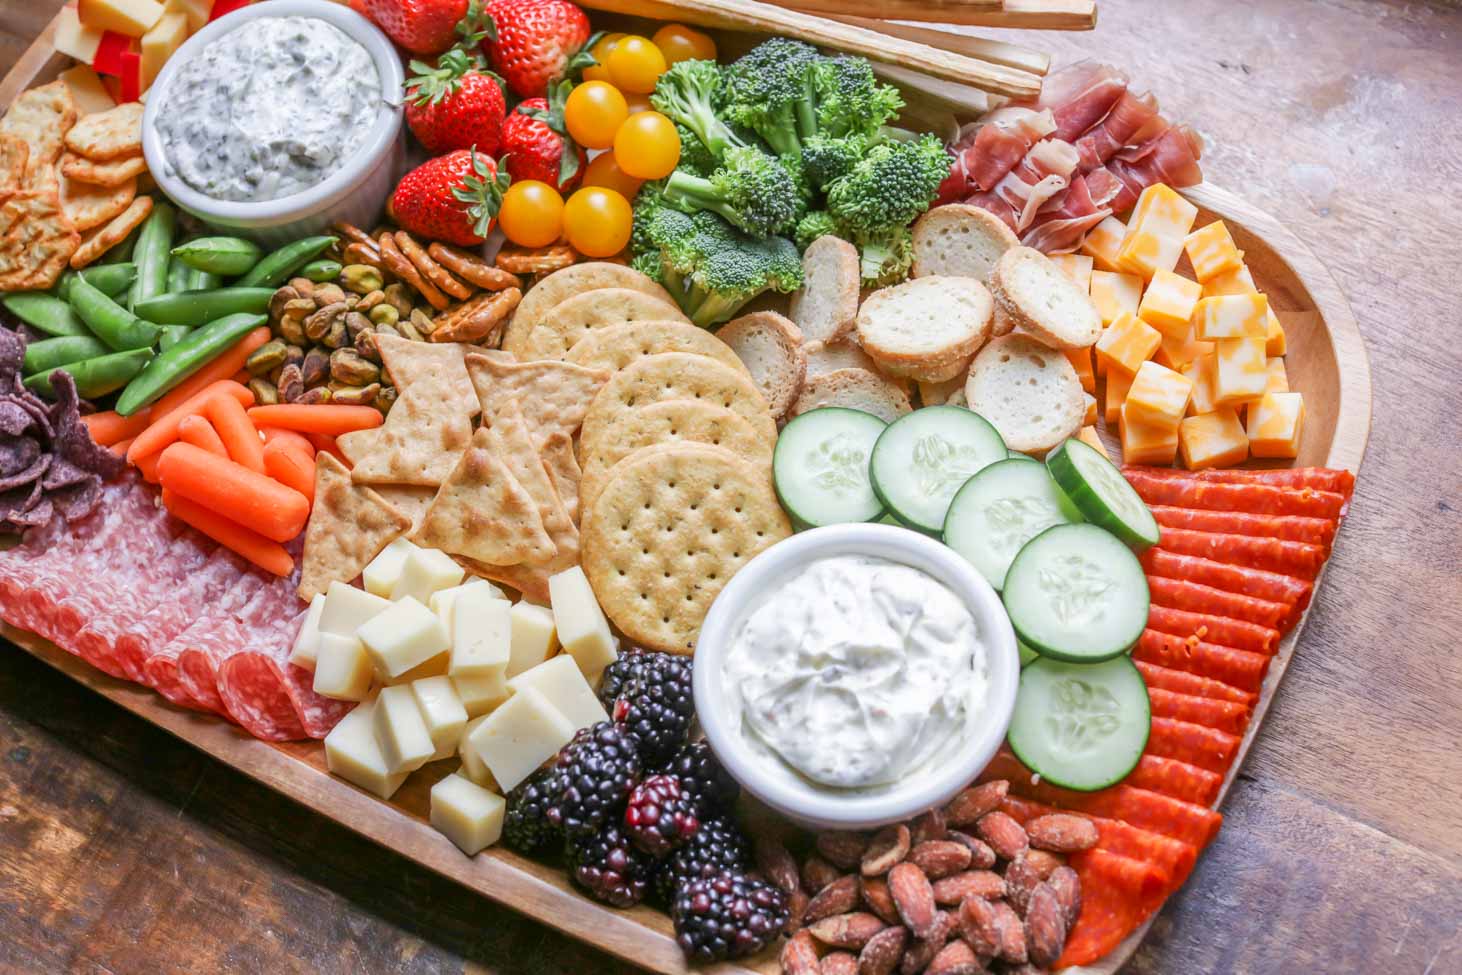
(455, 105)
(425, 26)
(531, 41)
(535, 140)
(453, 198)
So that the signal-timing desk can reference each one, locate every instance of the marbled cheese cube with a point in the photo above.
(1128, 342)
(466, 813)
(519, 736)
(401, 732)
(1144, 253)
(1175, 353)
(1167, 304)
(561, 681)
(1236, 282)
(1275, 425)
(1203, 371)
(1231, 317)
(1115, 295)
(1089, 436)
(1077, 267)
(1214, 439)
(1147, 443)
(342, 669)
(351, 752)
(1212, 251)
(1155, 232)
(1103, 241)
(1119, 381)
(1158, 395)
(1243, 370)
(1276, 380)
(1275, 341)
(1081, 361)
(442, 712)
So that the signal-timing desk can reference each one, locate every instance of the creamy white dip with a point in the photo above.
(269, 109)
(856, 673)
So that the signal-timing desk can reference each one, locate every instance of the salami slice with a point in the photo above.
(1270, 554)
(1271, 586)
(1179, 780)
(1182, 682)
(1173, 857)
(162, 666)
(1242, 669)
(1184, 741)
(1293, 528)
(1214, 629)
(1197, 598)
(253, 692)
(199, 662)
(160, 625)
(1117, 894)
(1256, 498)
(317, 715)
(1318, 478)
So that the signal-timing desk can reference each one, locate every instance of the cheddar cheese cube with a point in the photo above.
(1231, 317)
(1102, 243)
(466, 813)
(1214, 439)
(1212, 251)
(159, 43)
(1090, 417)
(1275, 342)
(436, 666)
(1119, 381)
(482, 629)
(342, 669)
(443, 713)
(1158, 395)
(1276, 380)
(1091, 438)
(1144, 254)
(1115, 294)
(132, 18)
(1128, 342)
(1275, 425)
(401, 731)
(196, 11)
(534, 638)
(480, 695)
(473, 766)
(1080, 360)
(1077, 267)
(1235, 282)
(402, 636)
(1175, 353)
(1147, 443)
(348, 608)
(583, 632)
(1167, 304)
(1242, 371)
(426, 571)
(74, 38)
(307, 642)
(1203, 372)
(381, 573)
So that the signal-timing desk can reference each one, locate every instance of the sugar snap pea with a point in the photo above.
(224, 256)
(172, 335)
(123, 251)
(110, 279)
(202, 280)
(178, 275)
(321, 271)
(190, 354)
(95, 377)
(197, 307)
(40, 310)
(50, 353)
(151, 253)
(116, 326)
(276, 268)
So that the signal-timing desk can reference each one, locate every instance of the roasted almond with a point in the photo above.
(928, 826)
(1045, 926)
(1062, 833)
(797, 902)
(1005, 836)
(914, 899)
(955, 958)
(799, 955)
(1065, 883)
(880, 956)
(971, 883)
(838, 963)
(850, 931)
(876, 898)
(978, 925)
(1020, 879)
(888, 847)
(817, 873)
(838, 897)
(774, 860)
(920, 953)
(1044, 862)
(981, 856)
(940, 858)
(842, 849)
(1011, 932)
(966, 808)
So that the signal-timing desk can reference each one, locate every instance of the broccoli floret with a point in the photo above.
(648, 264)
(826, 159)
(769, 90)
(752, 190)
(818, 223)
(850, 99)
(687, 95)
(891, 186)
(735, 269)
(885, 258)
(695, 158)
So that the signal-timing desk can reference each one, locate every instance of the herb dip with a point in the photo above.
(269, 109)
(856, 673)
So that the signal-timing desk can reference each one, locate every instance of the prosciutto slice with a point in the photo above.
(1171, 158)
(1043, 173)
(1080, 96)
(992, 147)
(1119, 128)
(1063, 222)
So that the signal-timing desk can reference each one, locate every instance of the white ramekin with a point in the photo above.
(822, 808)
(356, 193)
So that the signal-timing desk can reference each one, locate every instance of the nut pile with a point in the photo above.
(957, 891)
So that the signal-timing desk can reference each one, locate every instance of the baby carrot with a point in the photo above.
(325, 442)
(230, 534)
(120, 447)
(291, 467)
(197, 431)
(279, 435)
(237, 431)
(109, 427)
(165, 430)
(232, 490)
(226, 366)
(316, 418)
(147, 466)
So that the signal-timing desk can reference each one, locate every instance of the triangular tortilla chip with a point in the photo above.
(509, 433)
(349, 526)
(411, 501)
(432, 373)
(559, 391)
(483, 513)
(564, 471)
(418, 444)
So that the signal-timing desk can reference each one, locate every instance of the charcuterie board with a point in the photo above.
(1326, 359)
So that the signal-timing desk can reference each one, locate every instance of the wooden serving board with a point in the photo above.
(1326, 361)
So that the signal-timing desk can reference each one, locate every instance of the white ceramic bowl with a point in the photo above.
(355, 193)
(822, 808)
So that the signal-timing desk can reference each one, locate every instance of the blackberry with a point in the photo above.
(650, 693)
(703, 779)
(727, 916)
(717, 847)
(527, 826)
(608, 866)
(658, 817)
(598, 769)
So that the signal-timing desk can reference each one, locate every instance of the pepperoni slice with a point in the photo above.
(1242, 669)
(1208, 748)
(1173, 857)
(1214, 629)
(1293, 528)
(1256, 498)
(1197, 598)
(1225, 716)
(1170, 777)
(1318, 478)
(1118, 893)
(1270, 554)
(1182, 682)
(1271, 586)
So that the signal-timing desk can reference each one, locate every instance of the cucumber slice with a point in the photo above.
(1081, 726)
(1101, 492)
(820, 466)
(999, 510)
(924, 457)
(1076, 593)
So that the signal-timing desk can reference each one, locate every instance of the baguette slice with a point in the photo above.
(960, 240)
(825, 357)
(770, 347)
(827, 303)
(1028, 390)
(1042, 299)
(856, 389)
(926, 328)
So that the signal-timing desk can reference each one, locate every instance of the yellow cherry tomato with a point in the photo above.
(636, 64)
(637, 102)
(597, 221)
(600, 51)
(680, 43)
(647, 146)
(593, 113)
(531, 214)
(604, 171)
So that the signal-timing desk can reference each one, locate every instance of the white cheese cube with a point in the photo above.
(466, 813)
(435, 667)
(351, 752)
(401, 636)
(381, 574)
(426, 571)
(342, 669)
(560, 680)
(405, 743)
(472, 765)
(480, 695)
(348, 608)
(483, 632)
(534, 637)
(442, 600)
(307, 642)
(519, 736)
(582, 629)
(442, 713)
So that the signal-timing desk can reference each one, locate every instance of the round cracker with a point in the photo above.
(574, 318)
(671, 526)
(616, 346)
(564, 284)
(667, 422)
(677, 375)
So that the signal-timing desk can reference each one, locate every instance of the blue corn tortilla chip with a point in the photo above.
(72, 440)
(62, 473)
(16, 454)
(34, 472)
(37, 516)
(76, 501)
(12, 357)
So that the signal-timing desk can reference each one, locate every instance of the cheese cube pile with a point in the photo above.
(446, 668)
(128, 41)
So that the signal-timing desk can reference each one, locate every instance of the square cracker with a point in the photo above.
(349, 526)
(41, 117)
(431, 373)
(419, 443)
(36, 241)
(13, 154)
(559, 391)
(483, 513)
(87, 205)
(113, 134)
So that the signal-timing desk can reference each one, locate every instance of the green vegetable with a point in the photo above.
(197, 307)
(818, 223)
(172, 335)
(686, 94)
(275, 269)
(151, 253)
(177, 363)
(110, 279)
(769, 90)
(122, 253)
(321, 271)
(891, 186)
(41, 311)
(50, 353)
(95, 377)
(885, 258)
(752, 190)
(178, 276)
(119, 328)
(201, 280)
(224, 256)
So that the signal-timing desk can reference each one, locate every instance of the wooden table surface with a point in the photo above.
(122, 850)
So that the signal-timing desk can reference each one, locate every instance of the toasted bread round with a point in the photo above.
(826, 304)
(1028, 390)
(825, 357)
(926, 328)
(857, 389)
(770, 347)
(1042, 299)
(961, 240)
